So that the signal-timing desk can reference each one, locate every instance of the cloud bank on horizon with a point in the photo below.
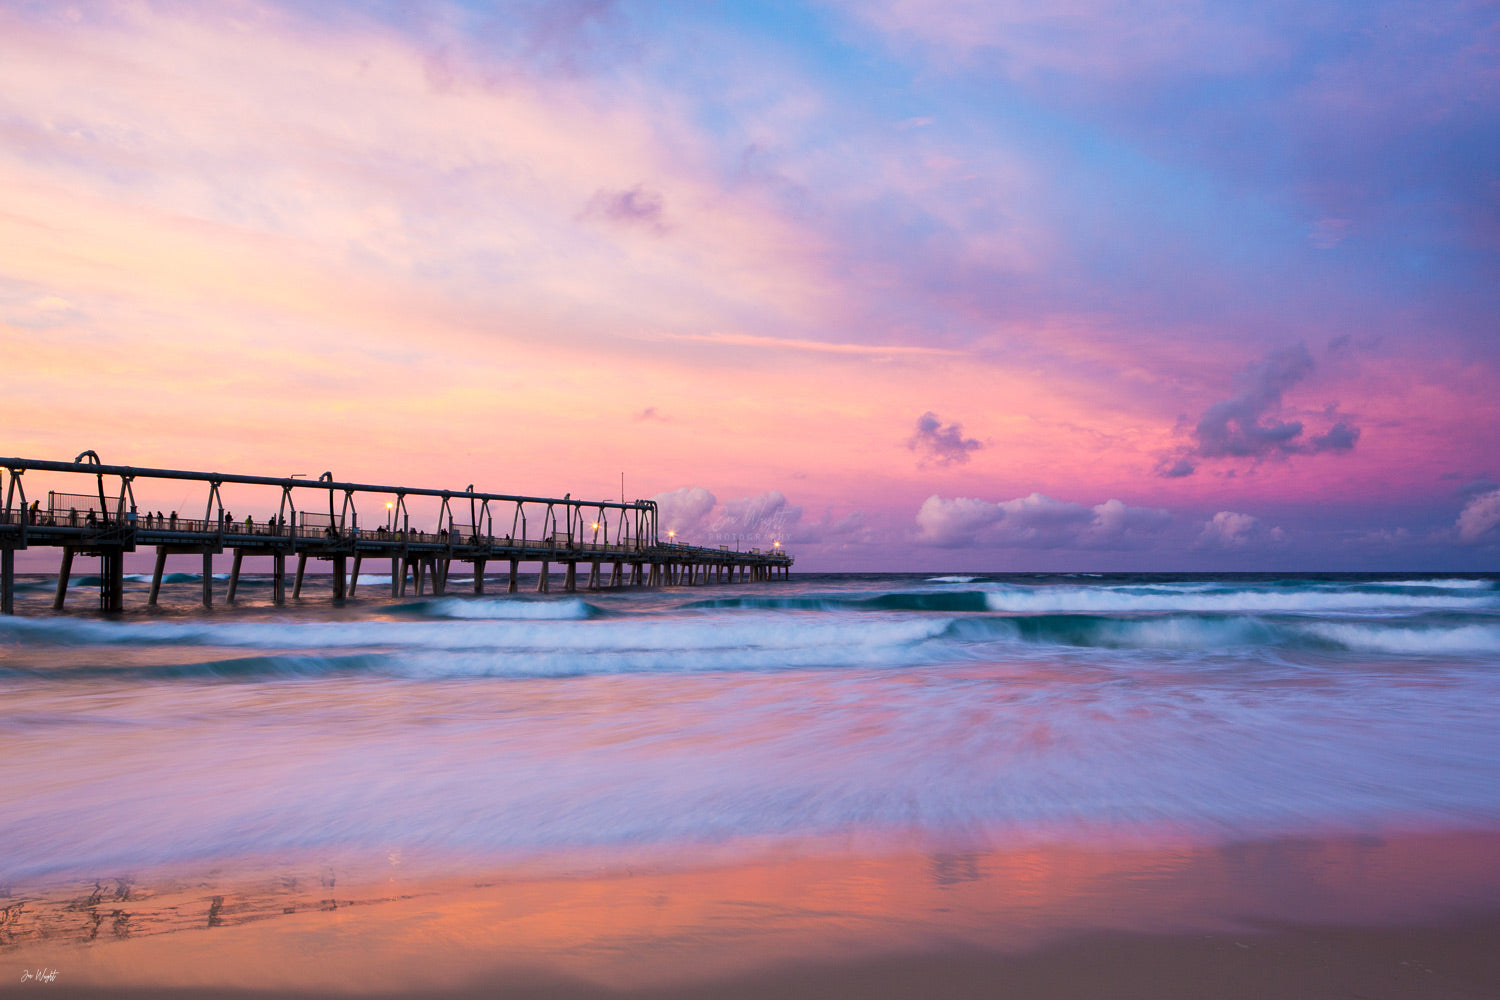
(1080, 285)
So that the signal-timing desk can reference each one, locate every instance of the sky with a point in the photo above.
(944, 285)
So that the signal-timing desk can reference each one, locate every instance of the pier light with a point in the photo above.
(775, 545)
(672, 537)
(389, 507)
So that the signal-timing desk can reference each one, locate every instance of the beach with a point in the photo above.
(1399, 917)
(842, 786)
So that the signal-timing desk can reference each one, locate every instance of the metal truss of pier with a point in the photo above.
(319, 519)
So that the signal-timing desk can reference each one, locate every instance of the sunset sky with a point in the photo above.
(950, 284)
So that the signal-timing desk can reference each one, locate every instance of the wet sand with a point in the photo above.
(1396, 916)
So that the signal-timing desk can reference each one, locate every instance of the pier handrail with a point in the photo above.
(328, 484)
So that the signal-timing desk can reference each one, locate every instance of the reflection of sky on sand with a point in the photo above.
(639, 928)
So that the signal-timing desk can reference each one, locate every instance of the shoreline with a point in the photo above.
(1449, 961)
(1407, 914)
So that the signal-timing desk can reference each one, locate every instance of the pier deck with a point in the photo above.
(617, 538)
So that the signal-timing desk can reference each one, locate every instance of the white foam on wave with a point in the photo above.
(1432, 640)
(1453, 584)
(1181, 633)
(571, 609)
(518, 647)
(1109, 600)
(951, 579)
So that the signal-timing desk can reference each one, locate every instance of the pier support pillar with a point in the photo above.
(278, 578)
(593, 583)
(479, 576)
(7, 581)
(614, 577)
(354, 577)
(65, 571)
(234, 575)
(340, 581)
(398, 576)
(419, 573)
(161, 565)
(208, 579)
(543, 581)
(440, 566)
(511, 587)
(112, 582)
(301, 569)
(570, 578)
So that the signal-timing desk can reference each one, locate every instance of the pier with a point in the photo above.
(615, 543)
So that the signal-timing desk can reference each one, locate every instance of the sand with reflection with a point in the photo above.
(1322, 914)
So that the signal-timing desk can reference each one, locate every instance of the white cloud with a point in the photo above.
(699, 519)
(1035, 521)
(764, 518)
(1230, 530)
(684, 511)
(1479, 518)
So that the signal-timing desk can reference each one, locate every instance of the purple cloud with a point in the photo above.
(1240, 427)
(1248, 425)
(635, 206)
(938, 444)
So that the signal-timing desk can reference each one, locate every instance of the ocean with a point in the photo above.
(590, 730)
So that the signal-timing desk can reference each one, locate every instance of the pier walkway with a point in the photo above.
(616, 542)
